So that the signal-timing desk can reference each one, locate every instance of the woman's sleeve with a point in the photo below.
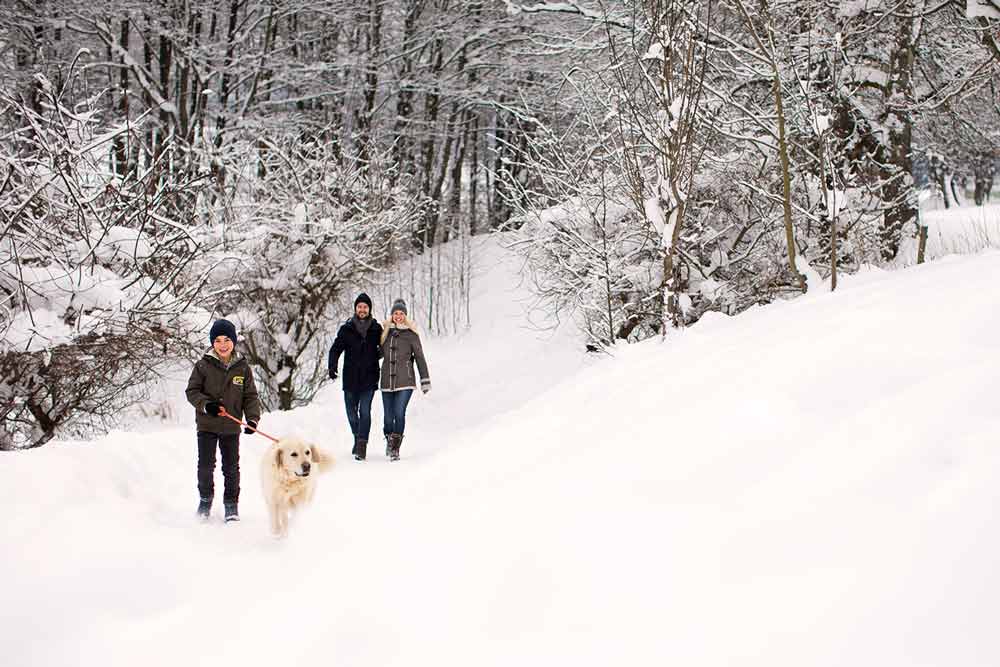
(418, 354)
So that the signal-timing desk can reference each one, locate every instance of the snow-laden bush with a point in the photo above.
(89, 301)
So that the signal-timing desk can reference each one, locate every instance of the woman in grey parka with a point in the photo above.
(400, 348)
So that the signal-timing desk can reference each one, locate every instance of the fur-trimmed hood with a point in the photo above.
(389, 324)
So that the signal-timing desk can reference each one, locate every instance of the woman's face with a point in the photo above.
(398, 316)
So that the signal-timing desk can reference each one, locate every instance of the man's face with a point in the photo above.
(361, 310)
(223, 346)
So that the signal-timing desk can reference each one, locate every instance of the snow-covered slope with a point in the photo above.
(958, 230)
(810, 483)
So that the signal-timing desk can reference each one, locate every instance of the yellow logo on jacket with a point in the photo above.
(238, 380)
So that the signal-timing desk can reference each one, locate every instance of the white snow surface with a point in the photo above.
(809, 483)
(960, 230)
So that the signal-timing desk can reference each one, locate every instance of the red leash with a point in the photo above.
(223, 413)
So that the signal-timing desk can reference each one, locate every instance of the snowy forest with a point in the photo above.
(167, 162)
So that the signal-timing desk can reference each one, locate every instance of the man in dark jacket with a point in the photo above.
(358, 340)
(221, 379)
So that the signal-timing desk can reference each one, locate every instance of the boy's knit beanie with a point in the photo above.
(363, 298)
(222, 328)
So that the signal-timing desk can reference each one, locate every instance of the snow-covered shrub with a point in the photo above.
(593, 259)
(89, 304)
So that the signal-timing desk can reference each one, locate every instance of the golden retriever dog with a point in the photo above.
(288, 474)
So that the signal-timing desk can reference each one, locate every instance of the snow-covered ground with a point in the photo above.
(957, 230)
(810, 483)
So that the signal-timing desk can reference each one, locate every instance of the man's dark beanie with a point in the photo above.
(222, 328)
(363, 298)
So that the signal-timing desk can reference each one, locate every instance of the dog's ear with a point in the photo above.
(321, 458)
(278, 454)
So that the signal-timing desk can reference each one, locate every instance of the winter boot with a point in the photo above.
(388, 444)
(231, 513)
(360, 449)
(204, 508)
(395, 440)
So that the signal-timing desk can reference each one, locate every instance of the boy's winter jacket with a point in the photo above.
(361, 355)
(400, 348)
(234, 387)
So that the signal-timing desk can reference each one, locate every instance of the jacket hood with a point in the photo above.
(407, 325)
(237, 357)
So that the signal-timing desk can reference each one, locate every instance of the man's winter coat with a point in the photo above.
(233, 386)
(361, 355)
(400, 348)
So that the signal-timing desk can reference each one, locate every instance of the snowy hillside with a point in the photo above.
(812, 483)
(961, 230)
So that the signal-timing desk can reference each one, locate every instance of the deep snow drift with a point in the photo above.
(810, 483)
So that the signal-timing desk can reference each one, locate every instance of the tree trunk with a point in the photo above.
(786, 181)
(364, 117)
(921, 243)
(166, 54)
(473, 137)
(119, 146)
(402, 146)
(897, 187)
(227, 74)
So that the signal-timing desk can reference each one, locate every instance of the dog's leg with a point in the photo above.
(283, 520)
(275, 513)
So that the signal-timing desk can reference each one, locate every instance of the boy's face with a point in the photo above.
(223, 346)
(361, 310)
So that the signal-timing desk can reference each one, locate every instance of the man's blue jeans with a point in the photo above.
(359, 412)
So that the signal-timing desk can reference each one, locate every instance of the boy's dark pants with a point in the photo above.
(229, 445)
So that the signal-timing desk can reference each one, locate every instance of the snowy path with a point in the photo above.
(812, 483)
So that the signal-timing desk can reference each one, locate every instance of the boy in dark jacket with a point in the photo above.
(221, 379)
(358, 340)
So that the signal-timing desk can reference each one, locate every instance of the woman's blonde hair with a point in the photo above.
(388, 323)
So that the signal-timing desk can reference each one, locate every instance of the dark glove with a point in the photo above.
(425, 386)
(213, 408)
(251, 427)
(333, 373)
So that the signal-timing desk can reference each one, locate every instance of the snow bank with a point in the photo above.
(956, 231)
(810, 483)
